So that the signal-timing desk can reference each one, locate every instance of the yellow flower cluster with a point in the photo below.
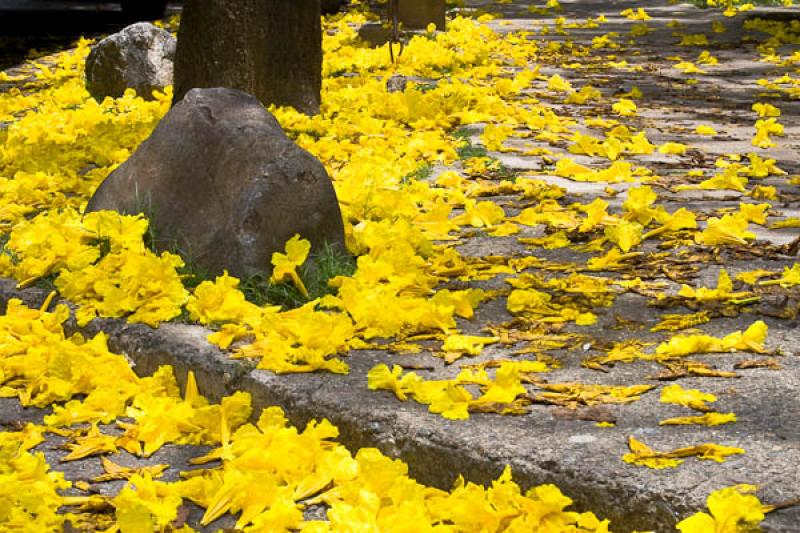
(60, 144)
(28, 489)
(269, 471)
(451, 398)
(99, 261)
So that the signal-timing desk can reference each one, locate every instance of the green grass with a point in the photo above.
(504, 173)
(328, 262)
(47, 282)
(466, 149)
(192, 274)
(4, 238)
(423, 172)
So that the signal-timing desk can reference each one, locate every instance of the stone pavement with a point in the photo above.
(556, 445)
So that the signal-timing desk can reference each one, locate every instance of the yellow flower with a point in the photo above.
(672, 148)
(639, 14)
(688, 67)
(708, 419)
(679, 220)
(467, 344)
(625, 234)
(750, 340)
(730, 229)
(480, 214)
(221, 301)
(643, 455)
(381, 378)
(724, 290)
(765, 110)
(790, 277)
(146, 505)
(703, 129)
(765, 128)
(558, 84)
(692, 398)
(624, 107)
(494, 134)
(697, 39)
(732, 509)
(637, 206)
(285, 265)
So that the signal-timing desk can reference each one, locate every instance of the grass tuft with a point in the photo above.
(466, 149)
(422, 173)
(328, 262)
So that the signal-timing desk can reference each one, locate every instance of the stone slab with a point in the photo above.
(543, 446)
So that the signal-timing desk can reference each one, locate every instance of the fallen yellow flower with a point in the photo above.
(285, 265)
(708, 419)
(751, 340)
(691, 398)
(730, 229)
(643, 455)
(733, 509)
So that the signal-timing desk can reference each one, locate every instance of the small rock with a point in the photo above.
(375, 34)
(139, 57)
(396, 84)
(582, 439)
(222, 183)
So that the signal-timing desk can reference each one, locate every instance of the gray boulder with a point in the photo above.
(139, 57)
(223, 184)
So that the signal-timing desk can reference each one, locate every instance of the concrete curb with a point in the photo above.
(436, 450)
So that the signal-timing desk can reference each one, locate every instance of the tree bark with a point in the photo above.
(271, 49)
(417, 14)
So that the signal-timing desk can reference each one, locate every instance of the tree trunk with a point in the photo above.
(271, 49)
(417, 14)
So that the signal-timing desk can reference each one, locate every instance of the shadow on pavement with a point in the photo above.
(33, 28)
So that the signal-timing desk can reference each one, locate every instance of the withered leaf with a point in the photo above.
(114, 471)
(596, 413)
(515, 408)
(681, 369)
(769, 362)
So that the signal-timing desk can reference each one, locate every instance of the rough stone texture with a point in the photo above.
(272, 50)
(544, 446)
(139, 57)
(396, 83)
(375, 34)
(221, 182)
(419, 13)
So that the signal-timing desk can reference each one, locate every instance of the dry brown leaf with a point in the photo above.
(597, 413)
(769, 362)
(681, 369)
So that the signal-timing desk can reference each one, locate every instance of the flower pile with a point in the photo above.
(416, 178)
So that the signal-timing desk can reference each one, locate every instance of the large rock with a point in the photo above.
(139, 57)
(270, 49)
(223, 184)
